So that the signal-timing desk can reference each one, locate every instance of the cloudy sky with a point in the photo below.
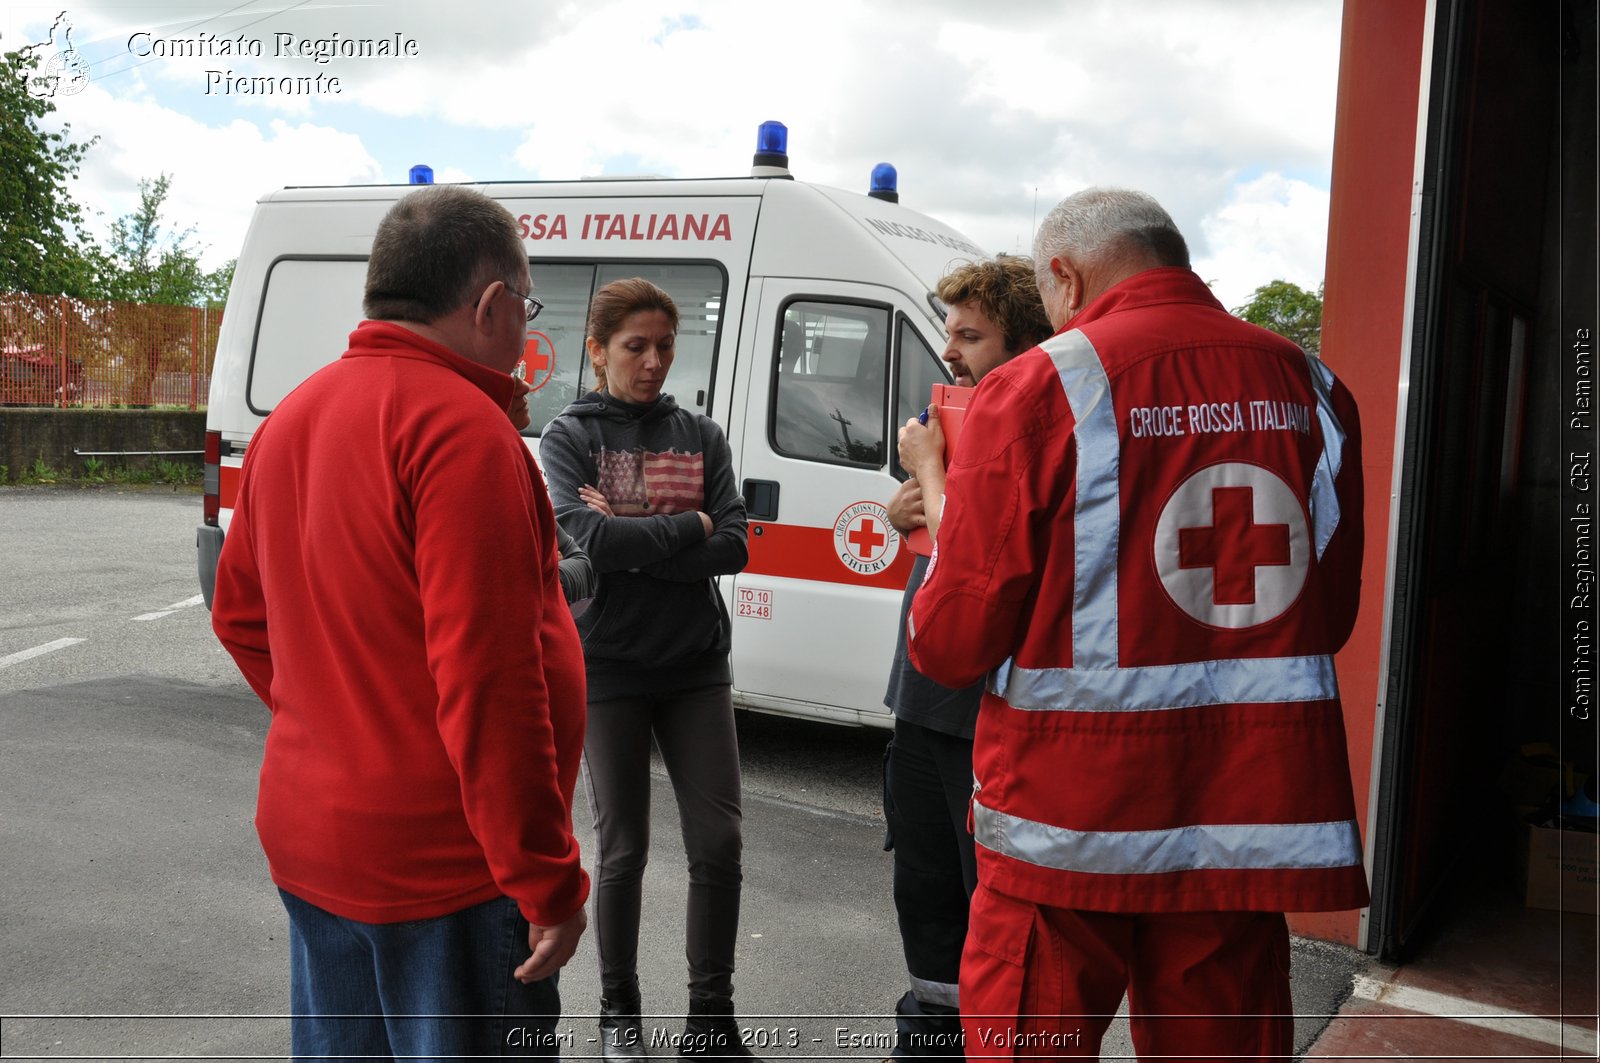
(991, 112)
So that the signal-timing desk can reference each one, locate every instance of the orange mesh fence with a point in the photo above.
(56, 351)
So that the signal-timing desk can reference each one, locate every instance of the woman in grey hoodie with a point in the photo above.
(647, 489)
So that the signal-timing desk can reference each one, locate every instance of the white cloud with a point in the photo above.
(218, 171)
(1271, 228)
(982, 110)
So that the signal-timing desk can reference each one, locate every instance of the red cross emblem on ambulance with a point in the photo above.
(538, 358)
(864, 540)
(1232, 546)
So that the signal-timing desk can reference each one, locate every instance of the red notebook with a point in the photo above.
(952, 403)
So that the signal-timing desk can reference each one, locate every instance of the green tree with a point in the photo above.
(1287, 309)
(149, 262)
(221, 279)
(150, 267)
(42, 244)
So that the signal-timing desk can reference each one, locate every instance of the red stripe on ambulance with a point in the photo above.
(793, 551)
(228, 486)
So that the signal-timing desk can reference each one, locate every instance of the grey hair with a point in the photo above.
(1101, 224)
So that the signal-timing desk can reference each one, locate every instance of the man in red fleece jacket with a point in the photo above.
(388, 587)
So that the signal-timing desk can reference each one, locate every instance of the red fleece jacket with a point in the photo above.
(388, 587)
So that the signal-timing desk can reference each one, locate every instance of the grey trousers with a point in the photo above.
(694, 731)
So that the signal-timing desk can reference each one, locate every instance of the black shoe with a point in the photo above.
(621, 1032)
(926, 1030)
(710, 1032)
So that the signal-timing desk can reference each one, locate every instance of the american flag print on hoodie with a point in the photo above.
(643, 483)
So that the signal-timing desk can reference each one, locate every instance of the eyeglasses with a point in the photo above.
(532, 307)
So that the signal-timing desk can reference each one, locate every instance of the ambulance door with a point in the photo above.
(816, 609)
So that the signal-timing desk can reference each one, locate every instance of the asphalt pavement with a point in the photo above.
(137, 919)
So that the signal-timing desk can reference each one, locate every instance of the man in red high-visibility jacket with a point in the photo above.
(1153, 551)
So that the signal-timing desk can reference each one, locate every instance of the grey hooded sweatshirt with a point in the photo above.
(657, 623)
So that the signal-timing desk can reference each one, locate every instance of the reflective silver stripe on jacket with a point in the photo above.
(1166, 686)
(946, 993)
(1095, 683)
(1324, 496)
(1210, 847)
(1097, 511)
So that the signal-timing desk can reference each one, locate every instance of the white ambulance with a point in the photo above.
(809, 332)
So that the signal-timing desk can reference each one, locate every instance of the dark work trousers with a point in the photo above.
(927, 790)
(694, 731)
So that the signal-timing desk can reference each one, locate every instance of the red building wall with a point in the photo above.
(1363, 323)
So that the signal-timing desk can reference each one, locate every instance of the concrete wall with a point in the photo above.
(28, 434)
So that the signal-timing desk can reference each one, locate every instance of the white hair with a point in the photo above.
(1100, 224)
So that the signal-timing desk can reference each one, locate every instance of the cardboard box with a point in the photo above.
(1560, 868)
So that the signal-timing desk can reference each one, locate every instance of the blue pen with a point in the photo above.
(922, 418)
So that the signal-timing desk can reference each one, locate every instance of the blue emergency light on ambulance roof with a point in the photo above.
(772, 151)
(421, 174)
(885, 183)
(773, 138)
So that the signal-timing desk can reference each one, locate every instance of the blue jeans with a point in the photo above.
(433, 989)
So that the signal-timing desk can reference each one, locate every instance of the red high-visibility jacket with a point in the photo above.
(1153, 550)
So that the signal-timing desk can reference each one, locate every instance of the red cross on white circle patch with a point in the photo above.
(1232, 546)
(863, 539)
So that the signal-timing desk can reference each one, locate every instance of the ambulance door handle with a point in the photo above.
(761, 499)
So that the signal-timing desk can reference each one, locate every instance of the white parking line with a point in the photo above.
(1531, 1027)
(37, 651)
(173, 608)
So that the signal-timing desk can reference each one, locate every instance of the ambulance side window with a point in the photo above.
(307, 311)
(920, 369)
(830, 392)
(697, 290)
(559, 331)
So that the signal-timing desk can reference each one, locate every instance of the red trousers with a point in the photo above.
(1038, 981)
